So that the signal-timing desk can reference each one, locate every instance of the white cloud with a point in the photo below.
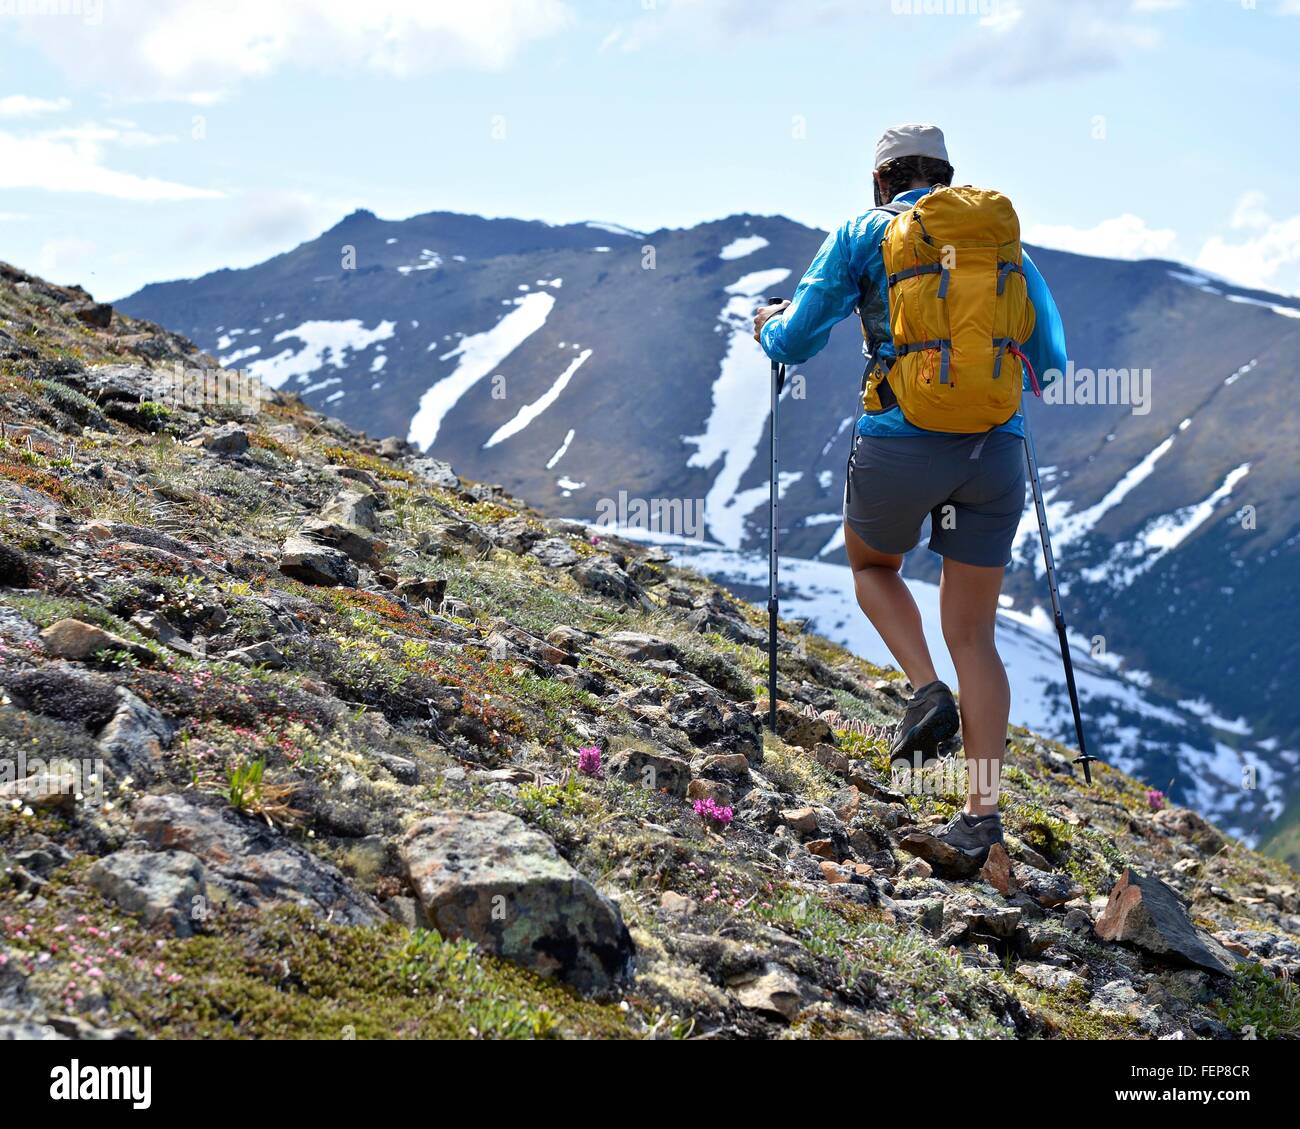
(197, 48)
(722, 21)
(1038, 40)
(64, 257)
(262, 223)
(1122, 237)
(1266, 253)
(115, 133)
(23, 106)
(74, 163)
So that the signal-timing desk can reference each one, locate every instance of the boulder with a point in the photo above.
(1048, 889)
(489, 877)
(795, 727)
(701, 789)
(356, 542)
(775, 994)
(600, 574)
(803, 821)
(651, 769)
(230, 439)
(313, 563)
(73, 639)
(247, 863)
(944, 858)
(996, 871)
(258, 654)
(133, 740)
(638, 647)
(15, 571)
(434, 471)
(997, 923)
(53, 791)
(97, 315)
(353, 507)
(1047, 977)
(422, 588)
(554, 552)
(1145, 913)
(726, 766)
(159, 887)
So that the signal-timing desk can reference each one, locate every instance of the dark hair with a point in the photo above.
(901, 173)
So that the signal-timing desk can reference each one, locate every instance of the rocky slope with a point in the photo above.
(305, 735)
(575, 363)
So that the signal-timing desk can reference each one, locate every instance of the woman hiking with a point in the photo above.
(956, 321)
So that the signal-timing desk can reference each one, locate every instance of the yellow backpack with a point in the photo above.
(959, 311)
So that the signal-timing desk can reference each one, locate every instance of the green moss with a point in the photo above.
(287, 975)
(924, 991)
(44, 610)
(794, 770)
(1066, 1014)
(1261, 1002)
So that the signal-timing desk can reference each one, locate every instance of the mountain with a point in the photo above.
(580, 364)
(304, 735)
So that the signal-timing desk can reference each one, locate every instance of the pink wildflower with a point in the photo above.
(710, 810)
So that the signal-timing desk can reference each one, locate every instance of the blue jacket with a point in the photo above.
(832, 285)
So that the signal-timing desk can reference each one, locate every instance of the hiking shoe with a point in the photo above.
(930, 719)
(973, 835)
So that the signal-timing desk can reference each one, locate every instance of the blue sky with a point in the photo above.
(153, 139)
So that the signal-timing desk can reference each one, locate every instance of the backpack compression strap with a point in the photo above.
(886, 394)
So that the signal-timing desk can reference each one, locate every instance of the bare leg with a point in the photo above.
(885, 599)
(968, 603)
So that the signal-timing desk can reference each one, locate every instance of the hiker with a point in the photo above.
(957, 321)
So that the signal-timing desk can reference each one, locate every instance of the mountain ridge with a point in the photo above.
(348, 711)
(638, 376)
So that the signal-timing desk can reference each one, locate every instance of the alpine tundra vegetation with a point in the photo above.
(380, 752)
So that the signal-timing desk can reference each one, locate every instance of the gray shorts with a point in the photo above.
(972, 487)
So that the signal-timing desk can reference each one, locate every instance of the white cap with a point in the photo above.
(911, 140)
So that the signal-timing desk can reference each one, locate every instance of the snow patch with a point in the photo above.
(1161, 536)
(745, 245)
(530, 412)
(738, 416)
(478, 355)
(323, 342)
(559, 454)
(615, 229)
(428, 260)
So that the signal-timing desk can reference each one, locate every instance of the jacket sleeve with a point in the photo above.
(1046, 345)
(824, 297)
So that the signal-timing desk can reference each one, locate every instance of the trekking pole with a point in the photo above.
(1057, 615)
(778, 382)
